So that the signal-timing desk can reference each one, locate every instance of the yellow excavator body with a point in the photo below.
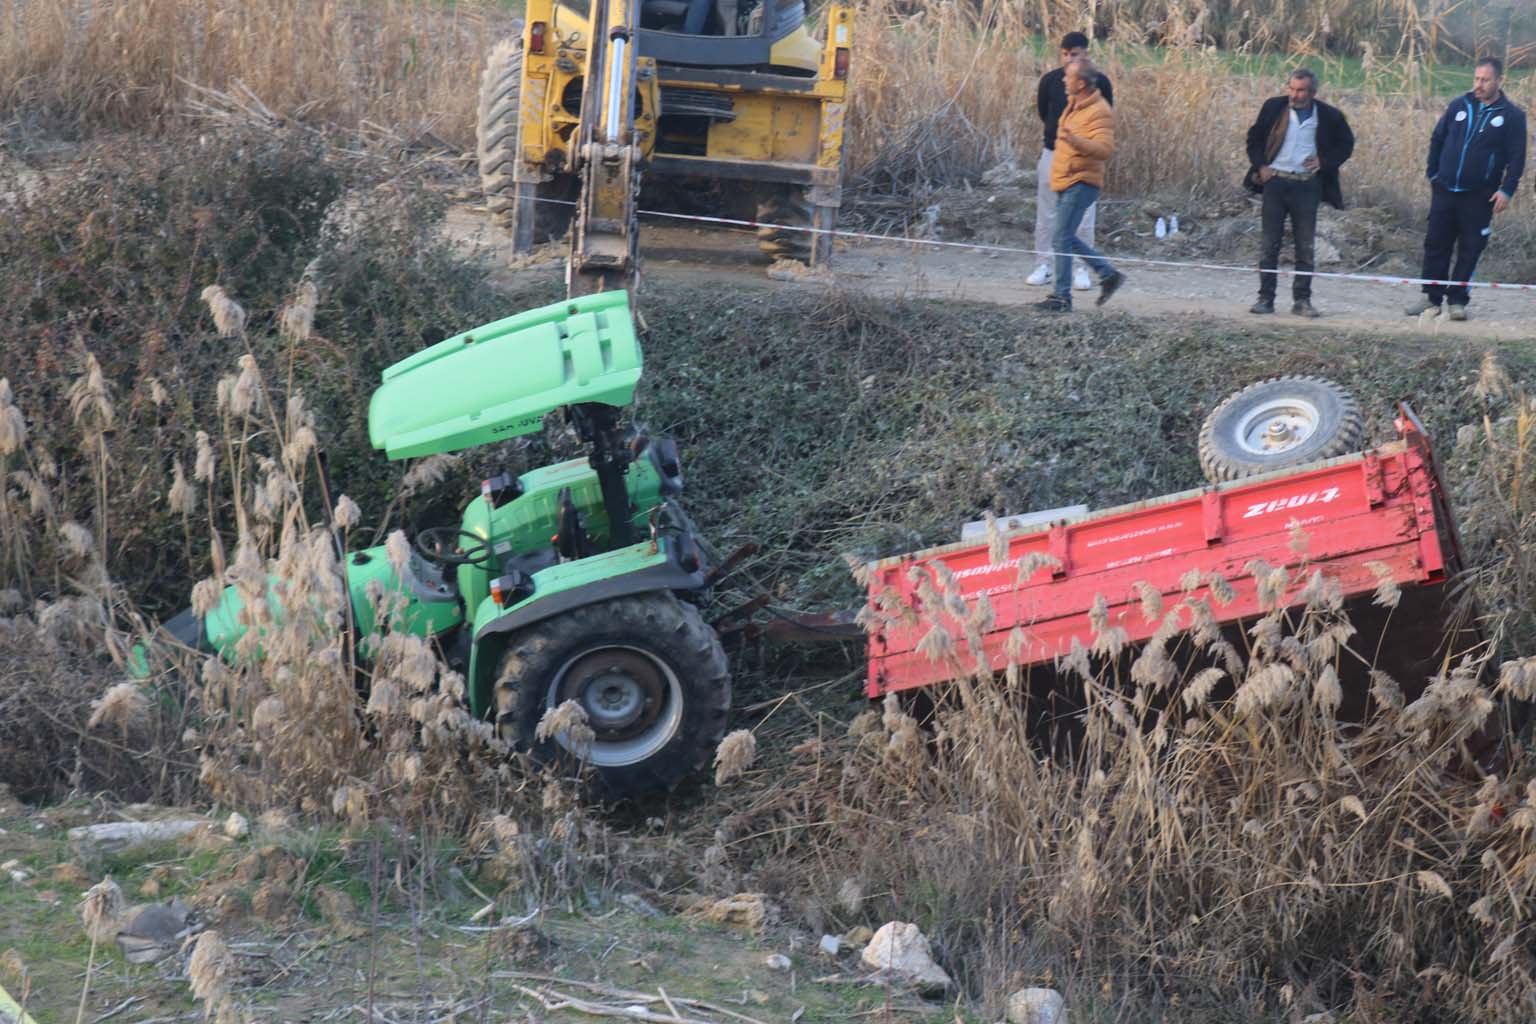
(733, 97)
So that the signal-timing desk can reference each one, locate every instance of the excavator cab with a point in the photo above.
(729, 34)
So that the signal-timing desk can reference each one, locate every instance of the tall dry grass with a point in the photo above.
(407, 65)
(947, 91)
(307, 713)
(1252, 857)
(1415, 29)
(942, 91)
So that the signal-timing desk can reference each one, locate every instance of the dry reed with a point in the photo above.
(941, 91)
(1252, 851)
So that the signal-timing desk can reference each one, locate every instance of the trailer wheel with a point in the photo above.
(651, 676)
(529, 210)
(1279, 423)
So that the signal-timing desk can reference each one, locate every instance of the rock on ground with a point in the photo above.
(902, 950)
(1036, 1006)
(121, 835)
(748, 910)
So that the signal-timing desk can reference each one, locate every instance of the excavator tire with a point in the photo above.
(786, 205)
(523, 208)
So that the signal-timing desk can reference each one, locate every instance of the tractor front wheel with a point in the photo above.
(648, 672)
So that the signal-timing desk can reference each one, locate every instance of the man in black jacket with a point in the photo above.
(1050, 102)
(1295, 150)
(1476, 157)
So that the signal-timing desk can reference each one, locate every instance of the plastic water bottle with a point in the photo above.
(1161, 231)
(1173, 225)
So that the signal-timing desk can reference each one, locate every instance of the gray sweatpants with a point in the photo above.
(1045, 210)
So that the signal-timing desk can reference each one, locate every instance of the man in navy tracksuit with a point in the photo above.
(1476, 157)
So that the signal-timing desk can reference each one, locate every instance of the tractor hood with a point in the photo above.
(498, 380)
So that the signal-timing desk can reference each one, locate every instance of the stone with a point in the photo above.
(270, 863)
(70, 873)
(339, 911)
(1009, 175)
(123, 835)
(831, 945)
(1036, 1006)
(777, 962)
(749, 910)
(273, 902)
(153, 932)
(901, 950)
(237, 826)
(639, 904)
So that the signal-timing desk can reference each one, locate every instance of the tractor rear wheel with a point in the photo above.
(650, 675)
(1277, 424)
(534, 212)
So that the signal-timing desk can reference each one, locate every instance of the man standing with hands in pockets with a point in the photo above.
(1295, 150)
(1476, 157)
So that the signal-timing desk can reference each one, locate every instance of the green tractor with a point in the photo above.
(578, 581)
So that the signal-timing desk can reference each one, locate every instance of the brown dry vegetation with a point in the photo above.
(941, 91)
(398, 64)
(1252, 857)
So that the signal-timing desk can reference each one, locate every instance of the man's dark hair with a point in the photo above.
(1073, 41)
(1491, 62)
(1307, 75)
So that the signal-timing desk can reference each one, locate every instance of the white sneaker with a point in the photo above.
(1041, 275)
(1080, 279)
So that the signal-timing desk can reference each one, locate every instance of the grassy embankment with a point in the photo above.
(1259, 856)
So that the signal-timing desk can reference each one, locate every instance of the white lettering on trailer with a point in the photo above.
(1138, 559)
(982, 570)
(1323, 497)
(1133, 534)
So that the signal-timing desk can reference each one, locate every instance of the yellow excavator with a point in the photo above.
(733, 98)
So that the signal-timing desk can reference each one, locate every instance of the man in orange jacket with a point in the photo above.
(1085, 139)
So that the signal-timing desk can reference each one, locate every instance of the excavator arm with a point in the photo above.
(604, 237)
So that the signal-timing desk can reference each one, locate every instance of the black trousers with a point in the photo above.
(1459, 220)
(1285, 197)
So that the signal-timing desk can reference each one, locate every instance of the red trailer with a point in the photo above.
(1365, 516)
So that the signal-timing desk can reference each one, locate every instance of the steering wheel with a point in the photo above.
(444, 545)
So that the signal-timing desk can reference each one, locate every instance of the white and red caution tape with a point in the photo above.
(1020, 251)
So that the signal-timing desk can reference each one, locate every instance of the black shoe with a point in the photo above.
(1054, 304)
(1109, 285)
(1304, 307)
(1262, 307)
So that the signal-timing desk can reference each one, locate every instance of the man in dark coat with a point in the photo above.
(1295, 150)
(1476, 157)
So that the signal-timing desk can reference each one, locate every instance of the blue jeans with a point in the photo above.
(1071, 205)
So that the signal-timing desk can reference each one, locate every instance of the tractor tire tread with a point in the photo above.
(682, 638)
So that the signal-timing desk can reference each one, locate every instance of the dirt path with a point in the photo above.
(671, 253)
